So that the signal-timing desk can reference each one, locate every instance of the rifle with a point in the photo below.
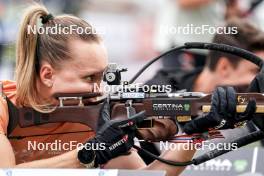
(183, 106)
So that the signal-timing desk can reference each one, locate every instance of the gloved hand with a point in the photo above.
(223, 113)
(257, 86)
(116, 135)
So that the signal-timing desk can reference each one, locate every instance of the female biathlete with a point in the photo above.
(49, 63)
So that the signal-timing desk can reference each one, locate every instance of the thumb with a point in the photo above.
(200, 124)
(137, 118)
(250, 110)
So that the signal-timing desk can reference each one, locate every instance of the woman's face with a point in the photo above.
(79, 74)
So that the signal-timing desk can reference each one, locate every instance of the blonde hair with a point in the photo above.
(33, 48)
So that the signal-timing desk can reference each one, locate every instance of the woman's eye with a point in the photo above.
(88, 78)
(93, 78)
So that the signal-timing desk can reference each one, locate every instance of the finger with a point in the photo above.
(215, 101)
(231, 101)
(104, 114)
(137, 118)
(250, 110)
(200, 125)
(222, 101)
(255, 85)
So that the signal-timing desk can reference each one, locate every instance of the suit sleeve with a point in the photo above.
(4, 117)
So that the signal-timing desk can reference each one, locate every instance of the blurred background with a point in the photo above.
(132, 29)
(133, 32)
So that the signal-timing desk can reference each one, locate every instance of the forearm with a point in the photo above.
(131, 161)
(66, 160)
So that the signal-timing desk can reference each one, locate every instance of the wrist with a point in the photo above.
(87, 157)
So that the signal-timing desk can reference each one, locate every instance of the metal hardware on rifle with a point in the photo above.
(239, 108)
(112, 74)
(183, 118)
(130, 110)
(73, 99)
(61, 99)
(187, 94)
(127, 95)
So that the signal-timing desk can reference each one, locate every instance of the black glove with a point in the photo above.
(116, 136)
(257, 86)
(222, 114)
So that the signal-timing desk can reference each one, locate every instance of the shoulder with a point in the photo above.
(9, 87)
(4, 117)
(9, 90)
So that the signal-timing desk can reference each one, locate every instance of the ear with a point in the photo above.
(46, 74)
(224, 68)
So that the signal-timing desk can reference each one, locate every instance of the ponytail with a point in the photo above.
(26, 73)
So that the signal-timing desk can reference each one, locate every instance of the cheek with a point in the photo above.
(70, 83)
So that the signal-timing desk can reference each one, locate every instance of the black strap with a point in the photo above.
(13, 116)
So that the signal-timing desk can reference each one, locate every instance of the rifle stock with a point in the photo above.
(182, 108)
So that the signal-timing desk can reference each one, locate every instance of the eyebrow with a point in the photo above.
(95, 72)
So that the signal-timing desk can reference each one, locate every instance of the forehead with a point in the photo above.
(87, 56)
